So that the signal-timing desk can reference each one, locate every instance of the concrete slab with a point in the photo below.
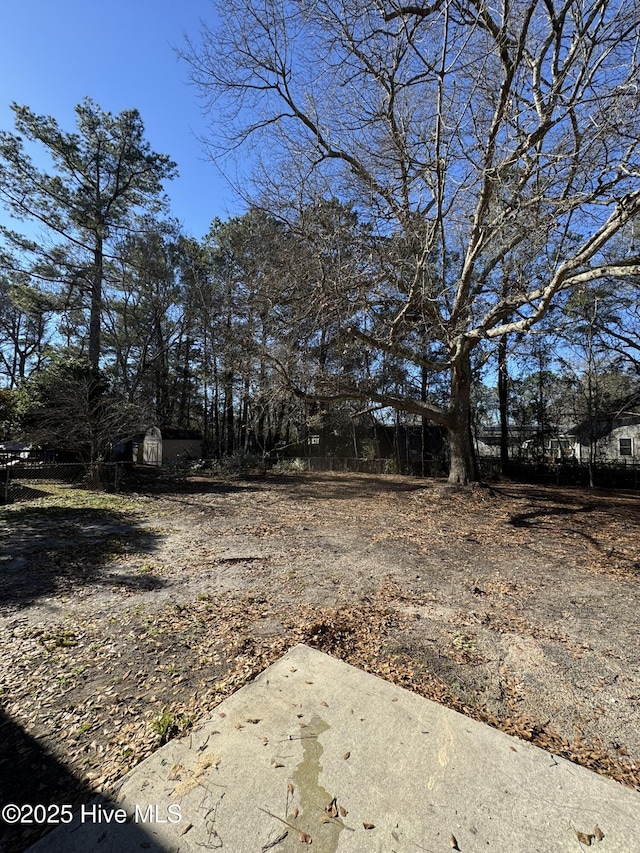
(317, 752)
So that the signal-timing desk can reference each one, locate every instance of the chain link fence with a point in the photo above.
(605, 475)
(24, 479)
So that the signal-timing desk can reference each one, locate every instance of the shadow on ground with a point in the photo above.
(49, 550)
(541, 517)
(30, 775)
(351, 486)
(39, 784)
(22, 492)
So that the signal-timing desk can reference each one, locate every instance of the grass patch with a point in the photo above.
(62, 497)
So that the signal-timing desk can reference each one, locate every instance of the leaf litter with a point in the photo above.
(386, 571)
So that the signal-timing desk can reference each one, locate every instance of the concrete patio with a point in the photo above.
(316, 752)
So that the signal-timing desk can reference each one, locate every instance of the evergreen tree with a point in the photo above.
(103, 175)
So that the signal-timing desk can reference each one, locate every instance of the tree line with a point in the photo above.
(444, 228)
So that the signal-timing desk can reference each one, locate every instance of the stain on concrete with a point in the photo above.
(311, 797)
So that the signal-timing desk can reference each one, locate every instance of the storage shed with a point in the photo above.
(170, 446)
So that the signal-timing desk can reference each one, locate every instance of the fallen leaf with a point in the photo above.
(584, 838)
(599, 834)
(453, 841)
(290, 787)
(304, 838)
(295, 813)
(346, 755)
(253, 720)
(332, 808)
(277, 763)
(369, 825)
(343, 811)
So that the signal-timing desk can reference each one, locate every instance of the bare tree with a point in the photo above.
(465, 134)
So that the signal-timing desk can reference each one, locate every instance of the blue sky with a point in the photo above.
(122, 55)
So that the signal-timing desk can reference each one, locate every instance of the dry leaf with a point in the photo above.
(343, 811)
(290, 787)
(585, 838)
(304, 838)
(453, 841)
(277, 763)
(599, 834)
(332, 808)
(369, 825)
(346, 755)
(295, 813)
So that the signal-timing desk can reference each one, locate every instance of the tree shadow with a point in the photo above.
(620, 505)
(187, 493)
(30, 775)
(346, 486)
(534, 517)
(54, 550)
(339, 485)
(21, 492)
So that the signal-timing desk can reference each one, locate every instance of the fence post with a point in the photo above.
(6, 485)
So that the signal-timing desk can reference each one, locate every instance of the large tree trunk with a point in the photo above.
(95, 311)
(503, 400)
(229, 423)
(462, 468)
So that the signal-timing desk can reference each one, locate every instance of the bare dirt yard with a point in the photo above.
(125, 618)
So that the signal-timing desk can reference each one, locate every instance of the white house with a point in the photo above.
(616, 441)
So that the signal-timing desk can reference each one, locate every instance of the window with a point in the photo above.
(626, 448)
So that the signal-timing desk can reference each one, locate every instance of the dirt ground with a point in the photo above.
(126, 618)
